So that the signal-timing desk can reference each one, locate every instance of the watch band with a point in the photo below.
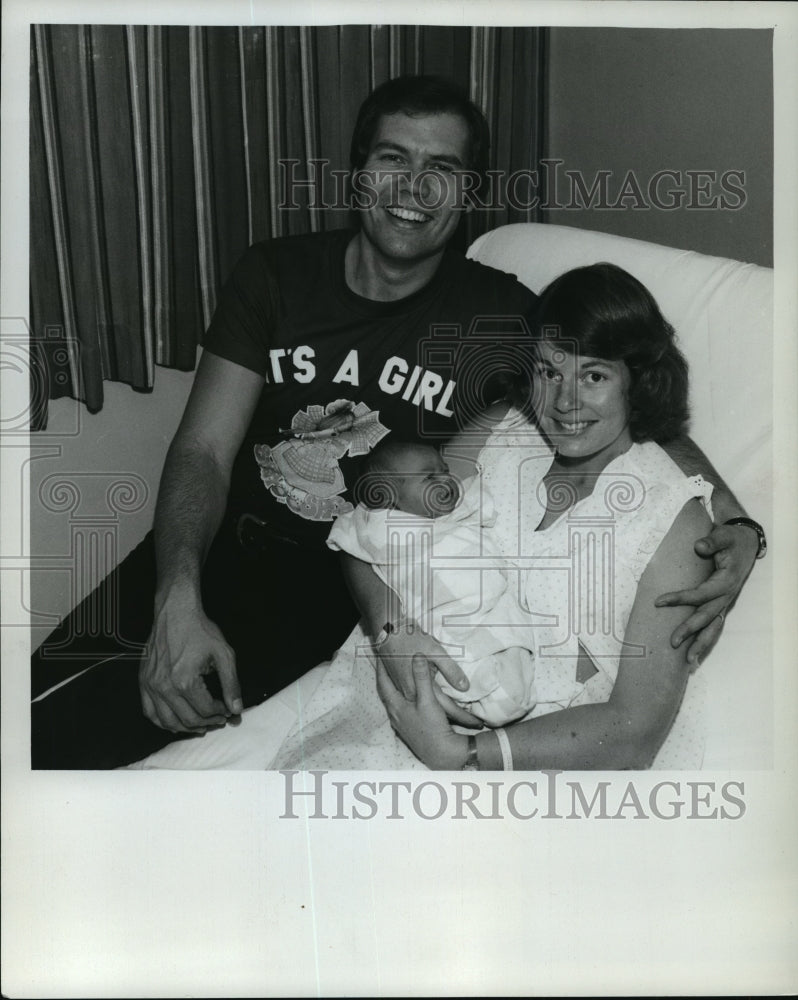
(760, 532)
(472, 758)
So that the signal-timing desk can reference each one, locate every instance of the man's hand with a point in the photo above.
(184, 646)
(734, 549)
(397, 653)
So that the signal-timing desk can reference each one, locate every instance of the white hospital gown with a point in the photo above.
(584, 569)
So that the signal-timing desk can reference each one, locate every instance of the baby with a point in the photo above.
(410, 508)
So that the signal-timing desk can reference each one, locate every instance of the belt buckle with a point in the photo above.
(241, 525)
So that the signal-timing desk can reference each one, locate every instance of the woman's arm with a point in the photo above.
(626, 731)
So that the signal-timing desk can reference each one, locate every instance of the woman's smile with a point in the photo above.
(573, 426)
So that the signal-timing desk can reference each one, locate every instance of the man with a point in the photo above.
(320, 346)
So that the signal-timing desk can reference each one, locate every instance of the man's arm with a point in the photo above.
(692, 461)
(734, 549)
(184, 643)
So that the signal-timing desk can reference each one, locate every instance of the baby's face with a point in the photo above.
(422, 483)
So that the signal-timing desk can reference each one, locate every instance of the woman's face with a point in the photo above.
(582, 405)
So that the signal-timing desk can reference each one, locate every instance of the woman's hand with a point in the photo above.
(397, 654)
(734, 549)
(421, 722)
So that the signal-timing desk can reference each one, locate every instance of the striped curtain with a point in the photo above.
(158, 154)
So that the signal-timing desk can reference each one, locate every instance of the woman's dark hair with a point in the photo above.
(602, 311)
(420, 95)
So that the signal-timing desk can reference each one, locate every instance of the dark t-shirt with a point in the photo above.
(343, 371)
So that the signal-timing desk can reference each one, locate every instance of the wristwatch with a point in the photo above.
(472, 759)
(760, 532)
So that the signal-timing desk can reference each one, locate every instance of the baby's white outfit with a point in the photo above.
(452, 580)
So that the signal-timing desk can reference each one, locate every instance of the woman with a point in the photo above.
(609, 384)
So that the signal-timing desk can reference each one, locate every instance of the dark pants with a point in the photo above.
(282, 608)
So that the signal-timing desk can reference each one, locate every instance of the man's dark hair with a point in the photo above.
(420, 95)
(602, 311)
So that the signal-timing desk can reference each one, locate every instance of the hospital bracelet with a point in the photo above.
(389, 628)
(506, 750)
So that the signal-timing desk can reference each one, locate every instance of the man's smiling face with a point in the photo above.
(411, 169)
